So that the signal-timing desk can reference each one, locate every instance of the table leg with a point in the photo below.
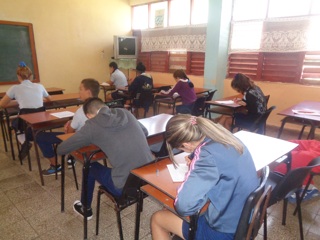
(10, 135)
(86, 165)
(35, 133)
(138, 213)
(62, 182)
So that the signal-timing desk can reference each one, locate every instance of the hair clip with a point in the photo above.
(193, 120)
(22, 64)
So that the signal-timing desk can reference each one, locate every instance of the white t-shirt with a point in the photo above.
(79, 119)
(28, 94)
(119, 79)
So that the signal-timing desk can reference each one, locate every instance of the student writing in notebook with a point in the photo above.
(221, 172)
(253, 100)
(88, 88)
(117, 79)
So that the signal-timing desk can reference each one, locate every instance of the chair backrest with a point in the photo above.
(199, 106)
(289, 183)
(254, 210)
(267, 97)
(118, 103)
(260, 123)
(210, 95)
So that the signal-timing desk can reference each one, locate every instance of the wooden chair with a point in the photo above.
(171, 102)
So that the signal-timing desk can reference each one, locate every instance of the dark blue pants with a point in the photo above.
(102, 174)
(45, 141)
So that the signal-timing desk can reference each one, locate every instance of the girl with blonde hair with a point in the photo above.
(221, 172)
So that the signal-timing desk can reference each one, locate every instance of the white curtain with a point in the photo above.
(188, 38)
(276, 35)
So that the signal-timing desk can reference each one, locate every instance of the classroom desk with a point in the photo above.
(159, 98)
(155, 126)
(105, 89)
(50, 90)
(222, 106)
(264, 150)
(312, 120)
(42, 121)
(57, 101)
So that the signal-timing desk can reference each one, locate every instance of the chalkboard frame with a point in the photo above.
(35, 69)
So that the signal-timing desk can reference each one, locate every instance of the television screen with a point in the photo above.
(125, 47)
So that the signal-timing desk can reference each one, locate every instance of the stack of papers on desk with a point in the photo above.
(178, 174)
(105, 84)
(226, 102)
(63, 114)
(306, 112)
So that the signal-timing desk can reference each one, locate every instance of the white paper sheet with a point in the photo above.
(226, 102)
(178, 174)
(105, 84)
(306, 112)
(63, 114)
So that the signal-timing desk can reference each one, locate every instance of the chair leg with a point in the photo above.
(265, 232)
(98, 212)
(298, 199)
(284, 211)
(119, 224)
(75, 176)
(304, 192)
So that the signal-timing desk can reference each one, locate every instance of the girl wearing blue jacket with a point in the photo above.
(221, 172)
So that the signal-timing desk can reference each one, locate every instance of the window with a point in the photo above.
(179, 13)
(276, 40)
(166, 14)
(140, 17)
(199, 13)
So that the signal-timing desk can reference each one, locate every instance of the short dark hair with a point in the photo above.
(114, 65)
(92, 105)
(241, 82)
(140, 67)
(93, 85)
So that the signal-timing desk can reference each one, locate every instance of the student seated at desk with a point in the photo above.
(29, 96)
(183, 88)
(118, 79)
(109, 129)
(221, 172)
(253, 100)
(88, 88)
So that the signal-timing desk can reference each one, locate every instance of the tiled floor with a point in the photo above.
(31, 211)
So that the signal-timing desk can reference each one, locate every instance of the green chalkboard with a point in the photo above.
(16, 45)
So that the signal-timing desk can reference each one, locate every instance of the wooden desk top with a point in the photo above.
(54, 98)
(305, 105)
(42, 117)
(264, 151)
(219, 102)
(49, 90)
(157, 175)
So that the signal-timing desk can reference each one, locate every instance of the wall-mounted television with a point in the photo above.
(125, 47)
